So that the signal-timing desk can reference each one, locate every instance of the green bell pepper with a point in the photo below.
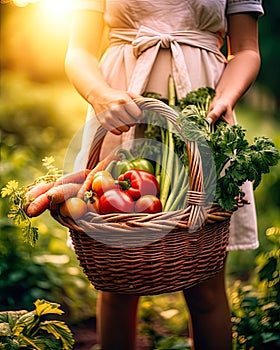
(128, 162)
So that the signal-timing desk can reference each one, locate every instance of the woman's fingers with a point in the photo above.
(220, 110)
(109, 122)
(120, 117)
(229, 118)
(116, 111)
(133, 110)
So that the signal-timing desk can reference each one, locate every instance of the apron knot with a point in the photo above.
(147, 37)
(165, 41)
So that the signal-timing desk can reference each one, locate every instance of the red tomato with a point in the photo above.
(73, 208)
(148, 204)
(102, 182)
(116, 201)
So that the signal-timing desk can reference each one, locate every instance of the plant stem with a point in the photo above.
(181, 180)
(171, 92)
(179, 203)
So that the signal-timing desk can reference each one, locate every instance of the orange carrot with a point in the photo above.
(38, 205)
(102, 165)
(74, 177)
(37, 190)
(59, 194)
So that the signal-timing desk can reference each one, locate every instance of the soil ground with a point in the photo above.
(85, 336)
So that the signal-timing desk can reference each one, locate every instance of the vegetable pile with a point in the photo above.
(133, 188)
(152, 176)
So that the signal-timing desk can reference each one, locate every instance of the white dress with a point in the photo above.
(148, 41)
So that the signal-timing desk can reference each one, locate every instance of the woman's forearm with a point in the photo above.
(83, 72)
(242, 68)
(82, 58)
(240, 73)
(114, 109)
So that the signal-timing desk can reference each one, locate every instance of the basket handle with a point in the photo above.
(195, 195)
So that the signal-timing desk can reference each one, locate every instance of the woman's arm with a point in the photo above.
(114, 109)
(242, 68)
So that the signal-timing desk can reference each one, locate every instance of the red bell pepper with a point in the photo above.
(138, 183)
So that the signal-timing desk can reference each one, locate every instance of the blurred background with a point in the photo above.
(40, 112)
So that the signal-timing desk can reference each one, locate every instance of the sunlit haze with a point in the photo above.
(58, 8)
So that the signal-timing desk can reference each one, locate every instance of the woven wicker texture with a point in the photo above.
(147, 254)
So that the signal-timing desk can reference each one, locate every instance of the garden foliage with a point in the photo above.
(32, 129)
(32, 330)
(256, 306)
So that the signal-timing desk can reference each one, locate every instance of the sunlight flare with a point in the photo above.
(23, 3)
(57, 8)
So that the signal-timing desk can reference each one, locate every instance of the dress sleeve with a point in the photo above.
(241, 6)
(93, 5)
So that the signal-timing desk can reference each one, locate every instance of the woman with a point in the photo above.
(148, 41)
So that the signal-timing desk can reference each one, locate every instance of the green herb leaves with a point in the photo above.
(201, 98)
(18, 200)
(236, 161)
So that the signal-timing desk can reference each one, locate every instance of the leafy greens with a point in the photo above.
(235, 159)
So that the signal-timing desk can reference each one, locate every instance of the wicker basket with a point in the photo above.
(148, 254)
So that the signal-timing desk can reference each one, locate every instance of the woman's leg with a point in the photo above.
(116, 321)
(210, 314)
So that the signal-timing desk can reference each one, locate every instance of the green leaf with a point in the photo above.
(7, 343)
(30, 234)
(273, 235)
(18, 201)
(47, 342)
(270, 337)
(4, 316)
(10, 188)
(48, 162)
(60, 331)
(25, 324)
(29, 342)
(267, 272)
(201, 98)
(26, 318)
(44, 307)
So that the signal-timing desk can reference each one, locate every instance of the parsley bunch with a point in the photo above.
(236, 161)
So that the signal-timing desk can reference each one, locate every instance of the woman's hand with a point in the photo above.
(116, 111)
(220, 109)
(242, 67)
